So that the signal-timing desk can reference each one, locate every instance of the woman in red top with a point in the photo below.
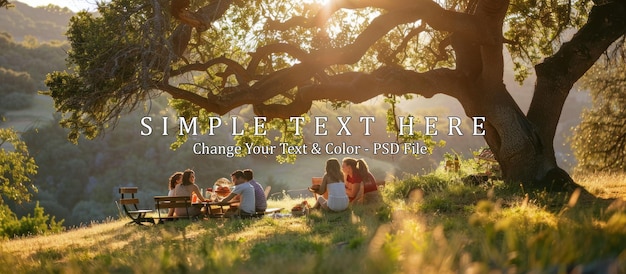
(352, 178)
(369, 182)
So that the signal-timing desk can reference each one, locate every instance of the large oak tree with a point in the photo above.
(281, 56)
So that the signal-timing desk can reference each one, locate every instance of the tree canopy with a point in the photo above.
(281, 56)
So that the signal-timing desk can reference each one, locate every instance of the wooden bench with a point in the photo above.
(129, 204)
(167, 202)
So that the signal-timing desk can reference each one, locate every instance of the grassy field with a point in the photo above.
(427, 224)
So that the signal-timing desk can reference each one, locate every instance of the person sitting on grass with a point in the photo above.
(333, 182)
(259, 194)
(370, 188)
(246, 192)
(352, 178)
(188, 188)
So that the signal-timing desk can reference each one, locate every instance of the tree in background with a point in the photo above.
(16, 89)
(599, 142)
(23, 69)
(16, 168)
(280, 56)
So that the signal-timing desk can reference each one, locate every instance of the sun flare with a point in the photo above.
(321, 2)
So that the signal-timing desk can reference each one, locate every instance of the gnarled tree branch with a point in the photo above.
(558, 73)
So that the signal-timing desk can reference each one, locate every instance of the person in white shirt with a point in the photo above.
(246, 192)
(334, 184)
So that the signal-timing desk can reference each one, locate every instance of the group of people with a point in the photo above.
(249, 193)
(346, 183)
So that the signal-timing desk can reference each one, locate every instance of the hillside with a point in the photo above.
(441, 227)
(44, 23)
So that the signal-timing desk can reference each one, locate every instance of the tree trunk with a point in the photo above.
(523, 145)
(516, 142)
(513, 139)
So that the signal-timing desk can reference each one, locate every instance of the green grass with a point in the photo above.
(423, 224)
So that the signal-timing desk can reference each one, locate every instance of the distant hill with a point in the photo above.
(44, 23)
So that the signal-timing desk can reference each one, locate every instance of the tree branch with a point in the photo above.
(558, 73)
(353, 86)
(358, 87)
(203, 17)
(413, 33)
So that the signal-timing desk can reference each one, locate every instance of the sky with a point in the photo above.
(74, 5)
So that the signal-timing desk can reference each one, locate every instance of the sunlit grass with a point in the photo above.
(603, 185)
(424, 224)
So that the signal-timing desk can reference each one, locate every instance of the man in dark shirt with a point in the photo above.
(259, 194)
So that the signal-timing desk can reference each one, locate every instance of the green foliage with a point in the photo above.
(73, 93)
(407, 137)
(38, 223)
(284, 131)
(599, 141)
(103, 84)
(16, 168)
(536, 29)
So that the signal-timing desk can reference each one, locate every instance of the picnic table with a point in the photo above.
(215, 209)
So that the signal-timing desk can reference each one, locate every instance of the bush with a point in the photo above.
(39, 223)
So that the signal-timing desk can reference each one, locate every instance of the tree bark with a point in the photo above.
(558, 73)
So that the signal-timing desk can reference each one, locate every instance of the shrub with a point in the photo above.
(39, 223)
